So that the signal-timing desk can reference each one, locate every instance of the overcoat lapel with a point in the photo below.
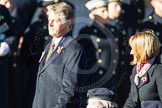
(146, 77)
(134, 87)
(43, 56)
(143, 80)
(55, 54)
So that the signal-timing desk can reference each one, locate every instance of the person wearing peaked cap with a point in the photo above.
(101, 98)
(98, 10)
(115, 25)
(114, 9)
(94, 4)
(96, 39)
(151, 104)
(154, 21)
(132, 14)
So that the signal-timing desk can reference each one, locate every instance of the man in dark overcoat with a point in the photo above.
(58, 74)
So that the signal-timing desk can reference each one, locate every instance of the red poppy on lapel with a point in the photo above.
(144, 79)
(59, 50)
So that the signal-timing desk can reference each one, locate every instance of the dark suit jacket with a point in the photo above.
(150, 87)
(58, 77)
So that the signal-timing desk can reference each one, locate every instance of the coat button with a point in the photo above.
(99, 61)
(116, 50)
(100, 72)
(112, 29)
(114, 61)
(14, 65)
(139, 10)
(99, 50)
(122, 63)
(95, 31)
(114, 72)
(14, 53)
(150, 17)
(98, 40)
(116, 39)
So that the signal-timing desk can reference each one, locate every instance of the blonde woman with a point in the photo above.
(146, 78)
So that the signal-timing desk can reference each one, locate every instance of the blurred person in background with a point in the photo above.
(133, 12)
(154, 21)
(14, 88)
(100, 47)
(115, 25)
(8, 43)
(23, 12)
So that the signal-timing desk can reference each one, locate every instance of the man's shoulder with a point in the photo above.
(73, 44)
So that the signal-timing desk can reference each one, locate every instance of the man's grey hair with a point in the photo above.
(64, 10)
(104, 103)
(107, 104)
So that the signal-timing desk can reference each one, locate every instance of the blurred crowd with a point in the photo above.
(24, 35)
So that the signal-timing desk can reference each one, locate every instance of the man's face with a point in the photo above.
(6, 3)
(114, 10)
(157, 5)
(56, 26)
(101, 12)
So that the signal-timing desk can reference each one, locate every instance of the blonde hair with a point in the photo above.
(145, 46)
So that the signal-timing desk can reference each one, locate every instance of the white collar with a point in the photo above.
(56, 40)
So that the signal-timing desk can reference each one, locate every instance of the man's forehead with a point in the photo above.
(53, 16)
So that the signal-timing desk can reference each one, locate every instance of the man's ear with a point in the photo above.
(152, 3)
(69, 24)
(92, 14)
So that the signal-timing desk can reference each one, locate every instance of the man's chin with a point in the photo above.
(56, 36)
